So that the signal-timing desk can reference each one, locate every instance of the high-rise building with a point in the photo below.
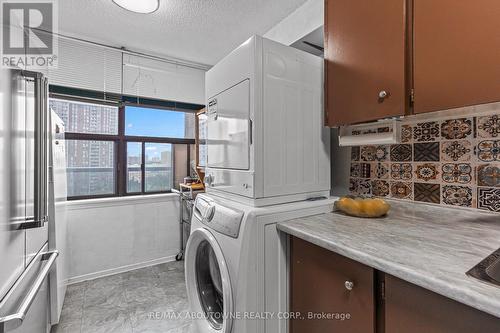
(90, 163)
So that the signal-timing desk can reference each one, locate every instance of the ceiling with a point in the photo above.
(201, 31)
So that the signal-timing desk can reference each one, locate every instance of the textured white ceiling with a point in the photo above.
(196, 30)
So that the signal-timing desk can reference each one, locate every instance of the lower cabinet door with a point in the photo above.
(412, 309)
(329, 292)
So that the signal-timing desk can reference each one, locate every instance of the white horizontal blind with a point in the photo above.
(145, 77)
(87, 66)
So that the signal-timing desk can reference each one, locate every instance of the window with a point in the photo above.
(134, 167)
(142, 121)
(80, 117)
(158, 169)
(90, 167)
(156, 147)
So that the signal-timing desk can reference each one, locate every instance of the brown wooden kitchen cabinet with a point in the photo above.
(412, 309)
(456, 53)
(321, 284)
(417, 55)
(365, 60)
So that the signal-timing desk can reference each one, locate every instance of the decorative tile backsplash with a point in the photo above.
(453, 161)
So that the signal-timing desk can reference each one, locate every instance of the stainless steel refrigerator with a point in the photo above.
(25, 259)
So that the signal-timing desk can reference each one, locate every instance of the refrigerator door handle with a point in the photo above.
(41, 164)
(14, 320)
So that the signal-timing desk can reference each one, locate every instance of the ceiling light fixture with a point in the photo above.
(139, 6)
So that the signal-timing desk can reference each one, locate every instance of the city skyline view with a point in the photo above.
(91, 164)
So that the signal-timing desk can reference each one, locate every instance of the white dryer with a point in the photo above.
(266, 142)
(235, 261)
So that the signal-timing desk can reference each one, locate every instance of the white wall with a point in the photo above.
(112, 235)
(301, 22)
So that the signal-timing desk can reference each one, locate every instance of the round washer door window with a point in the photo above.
(208, 284)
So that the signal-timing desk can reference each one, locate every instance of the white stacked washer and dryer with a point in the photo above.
(268, 161)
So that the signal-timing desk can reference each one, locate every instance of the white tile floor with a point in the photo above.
(125, 303)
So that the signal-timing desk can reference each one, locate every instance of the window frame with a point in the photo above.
(120, 141)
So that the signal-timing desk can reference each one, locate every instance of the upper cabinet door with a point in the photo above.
(457, 53)
(365, 60)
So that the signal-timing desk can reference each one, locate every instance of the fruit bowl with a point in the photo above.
(362, 207)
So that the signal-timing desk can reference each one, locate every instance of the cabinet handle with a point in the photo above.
(382, 94)
(349, 285)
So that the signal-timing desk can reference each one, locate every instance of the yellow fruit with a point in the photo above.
(363, 207)
(348, 205)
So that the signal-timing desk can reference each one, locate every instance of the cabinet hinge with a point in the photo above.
(382, 290)
(412, 96)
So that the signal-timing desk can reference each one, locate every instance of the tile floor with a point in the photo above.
(124, 303)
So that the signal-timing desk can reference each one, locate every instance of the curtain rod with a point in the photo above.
(170, 60)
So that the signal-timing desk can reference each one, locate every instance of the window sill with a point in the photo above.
(121, 201)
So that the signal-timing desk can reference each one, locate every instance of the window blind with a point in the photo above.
(158, 79)
(87, 66)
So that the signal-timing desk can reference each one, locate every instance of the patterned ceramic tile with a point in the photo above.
(355, 153)
(454, 161)
(355, 170)
(374, 153)
(488, 150)
(488, 175)
(488, 126)
(457, 173)
(401, 153)
(401, 171)
(426, 151)
(456, 129)
(488, 199)
(457, 195)
(427, 172)
(360, 186)
(426, 192)
(382, 153)
(406, 134)
(365, 170)
(456, 151)
(380, 188)
(353, 182)
(402, 190)
(368, 153)
(380, 171)
(428, 131)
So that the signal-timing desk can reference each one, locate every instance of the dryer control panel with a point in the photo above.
(217, 217)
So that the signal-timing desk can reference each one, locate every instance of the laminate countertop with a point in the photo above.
(429, 246)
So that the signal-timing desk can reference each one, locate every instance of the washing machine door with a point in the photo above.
(208, 283)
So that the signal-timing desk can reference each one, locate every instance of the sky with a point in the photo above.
(153, 122)
(141, 121)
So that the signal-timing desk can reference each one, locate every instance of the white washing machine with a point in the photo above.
(235, 261)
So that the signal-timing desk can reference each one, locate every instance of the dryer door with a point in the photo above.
(208, 283)
(229, 128)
